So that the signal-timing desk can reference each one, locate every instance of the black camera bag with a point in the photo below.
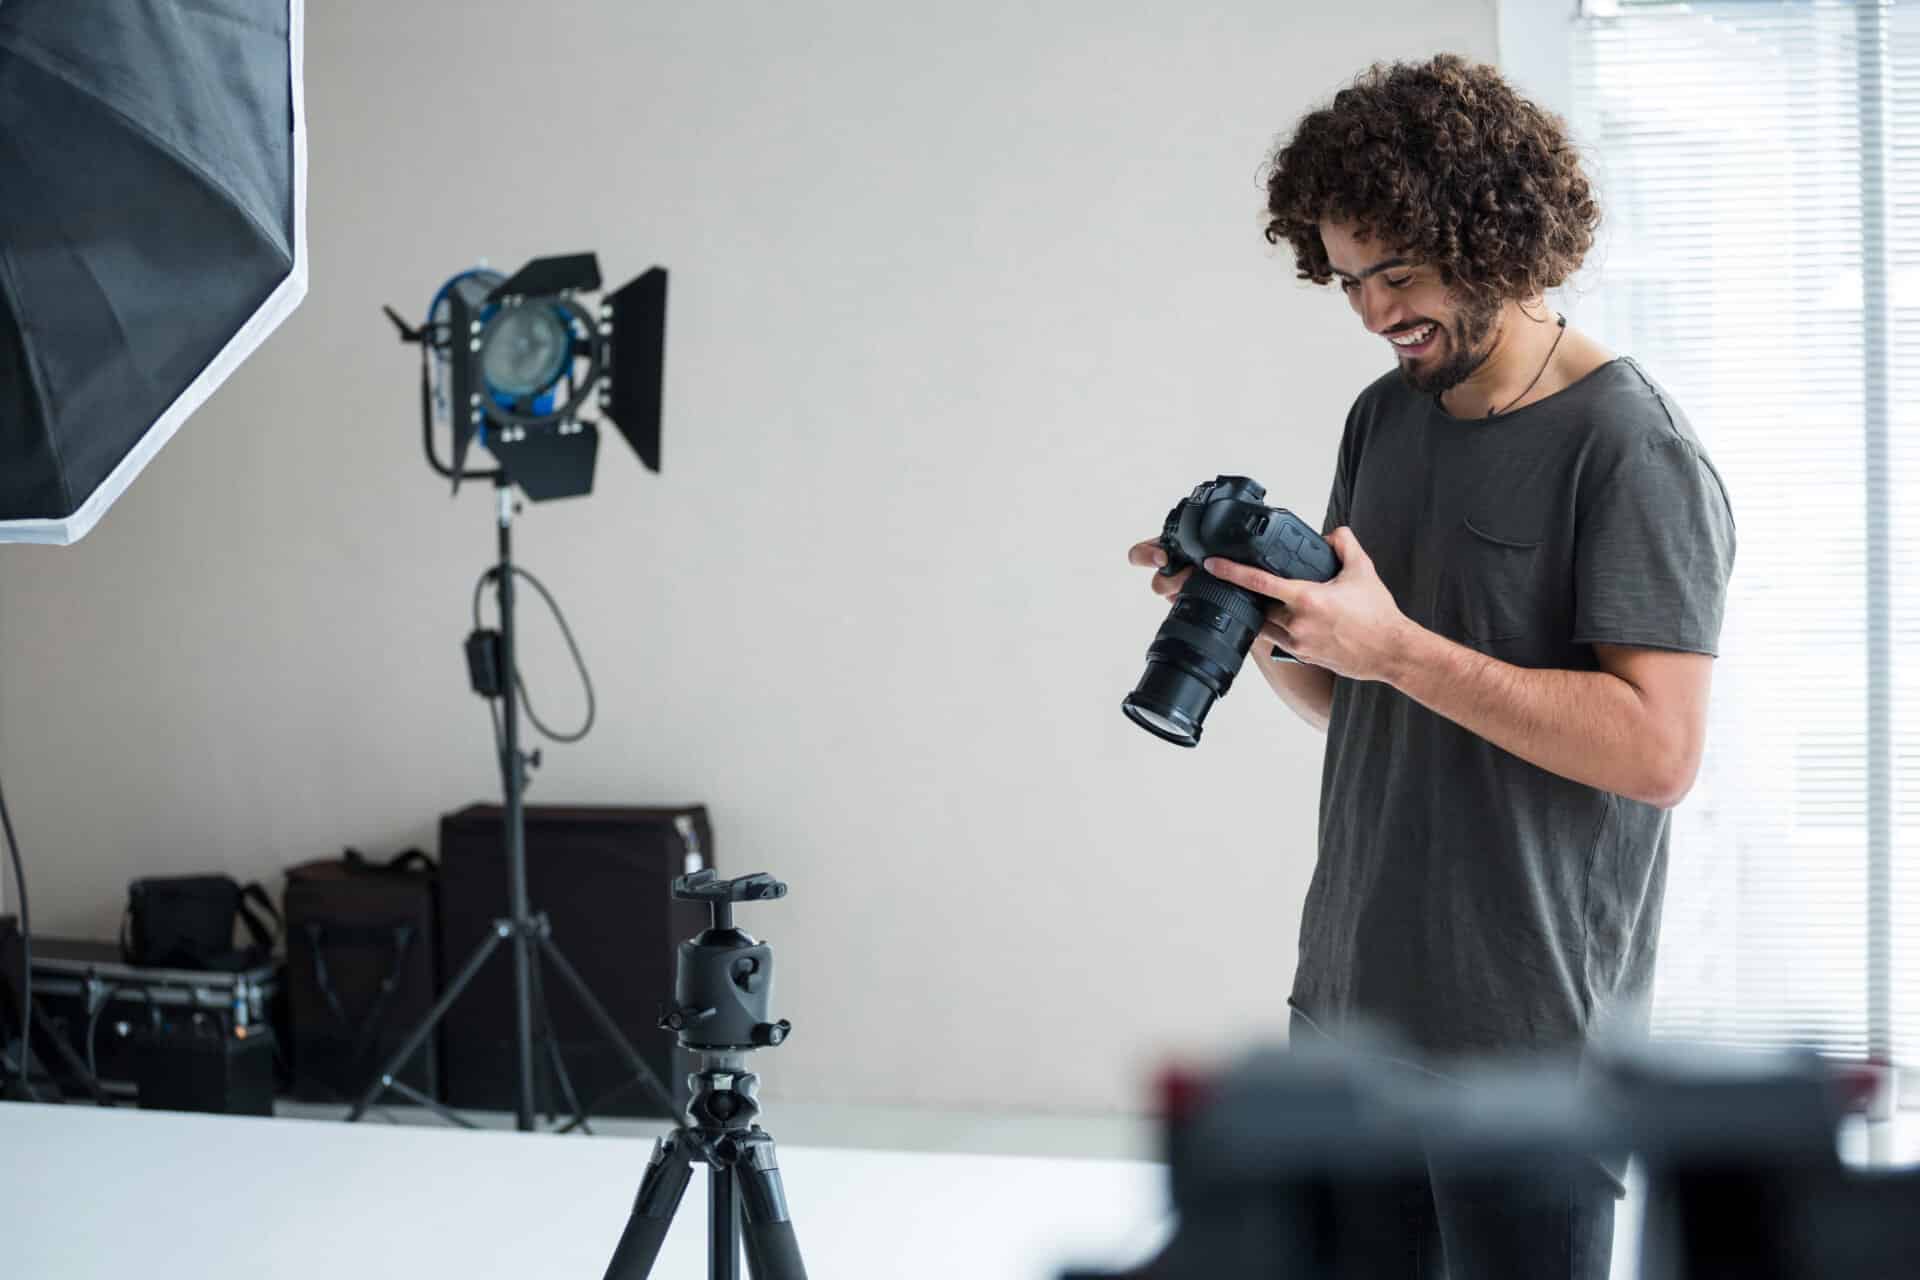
(187, 922)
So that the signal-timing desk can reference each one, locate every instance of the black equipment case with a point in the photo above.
(188, 922)
(603, 875)
(362, 943)
(178, 1039)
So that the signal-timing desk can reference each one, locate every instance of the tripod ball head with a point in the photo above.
(723, 979)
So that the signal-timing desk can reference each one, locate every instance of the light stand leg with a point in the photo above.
(608, 1027)
(556, 1062)
(384, 1079)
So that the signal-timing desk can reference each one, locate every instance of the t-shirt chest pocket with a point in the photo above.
(1495, 590)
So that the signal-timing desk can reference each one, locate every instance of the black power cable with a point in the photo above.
(26, 953)
(93, 1028)
(566, 632)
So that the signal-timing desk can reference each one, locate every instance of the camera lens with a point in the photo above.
(1194, 657)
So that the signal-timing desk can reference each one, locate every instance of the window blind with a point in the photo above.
(1758, 167)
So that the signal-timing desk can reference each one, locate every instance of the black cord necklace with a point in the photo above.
(1492, 412)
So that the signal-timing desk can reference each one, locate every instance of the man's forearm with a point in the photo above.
(1590, 726)
(1307, 689)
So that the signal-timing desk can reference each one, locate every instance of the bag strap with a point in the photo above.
(263, 937)
(377, 1012)
(135, 889)
(405, 860)
(401, 938)
(413, 858)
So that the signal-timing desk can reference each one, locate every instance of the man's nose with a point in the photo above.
(1380, 313)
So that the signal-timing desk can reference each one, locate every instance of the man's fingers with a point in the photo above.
(1149, 552)
(1287, 590)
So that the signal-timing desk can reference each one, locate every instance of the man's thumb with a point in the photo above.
(1346, 546)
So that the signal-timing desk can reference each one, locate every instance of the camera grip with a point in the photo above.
(1292, 549)
(1305, 557)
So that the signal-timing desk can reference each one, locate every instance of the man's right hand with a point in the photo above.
(1151, 554)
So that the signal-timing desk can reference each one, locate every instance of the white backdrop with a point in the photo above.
(964, 297)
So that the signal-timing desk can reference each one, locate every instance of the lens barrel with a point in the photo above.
(1194, 657)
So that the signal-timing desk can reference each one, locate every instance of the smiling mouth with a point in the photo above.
(1414, 341)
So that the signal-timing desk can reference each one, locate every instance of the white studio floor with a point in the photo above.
(88, 1192)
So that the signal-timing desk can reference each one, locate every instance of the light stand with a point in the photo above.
(529, 931)
(522, 356)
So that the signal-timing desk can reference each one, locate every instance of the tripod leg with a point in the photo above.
(660, 1191)
(723, 1225)
(556, 1062)
(69, 1055)
(772, 1249)
(383, 1079)
(609, 1028)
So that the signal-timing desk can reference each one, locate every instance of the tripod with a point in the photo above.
(723, 982)
(528, 931)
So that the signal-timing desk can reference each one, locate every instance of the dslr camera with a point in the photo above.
(1202, 644)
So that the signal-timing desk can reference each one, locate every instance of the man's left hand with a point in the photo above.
(1349, 625)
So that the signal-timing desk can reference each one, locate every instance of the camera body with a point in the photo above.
(1228, 517)
(1204, 640)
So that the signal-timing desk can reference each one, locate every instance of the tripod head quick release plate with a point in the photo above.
(706, 886)
(723, 978)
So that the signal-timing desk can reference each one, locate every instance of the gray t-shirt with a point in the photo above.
(1464, 899)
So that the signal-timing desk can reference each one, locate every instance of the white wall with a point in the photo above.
(1534, 37)
(964, 297)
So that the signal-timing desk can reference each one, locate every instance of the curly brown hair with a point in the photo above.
(1443, 161)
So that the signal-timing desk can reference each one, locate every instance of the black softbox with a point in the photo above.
(152, 232)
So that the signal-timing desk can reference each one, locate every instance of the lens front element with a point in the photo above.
(1194, 657)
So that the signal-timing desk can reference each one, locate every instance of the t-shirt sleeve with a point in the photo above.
(1336, 506)
(1340, 500)
(1654, 552)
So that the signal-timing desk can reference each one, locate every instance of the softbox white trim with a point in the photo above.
(245, 341)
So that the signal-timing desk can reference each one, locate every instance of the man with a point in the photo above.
(1512, 665)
